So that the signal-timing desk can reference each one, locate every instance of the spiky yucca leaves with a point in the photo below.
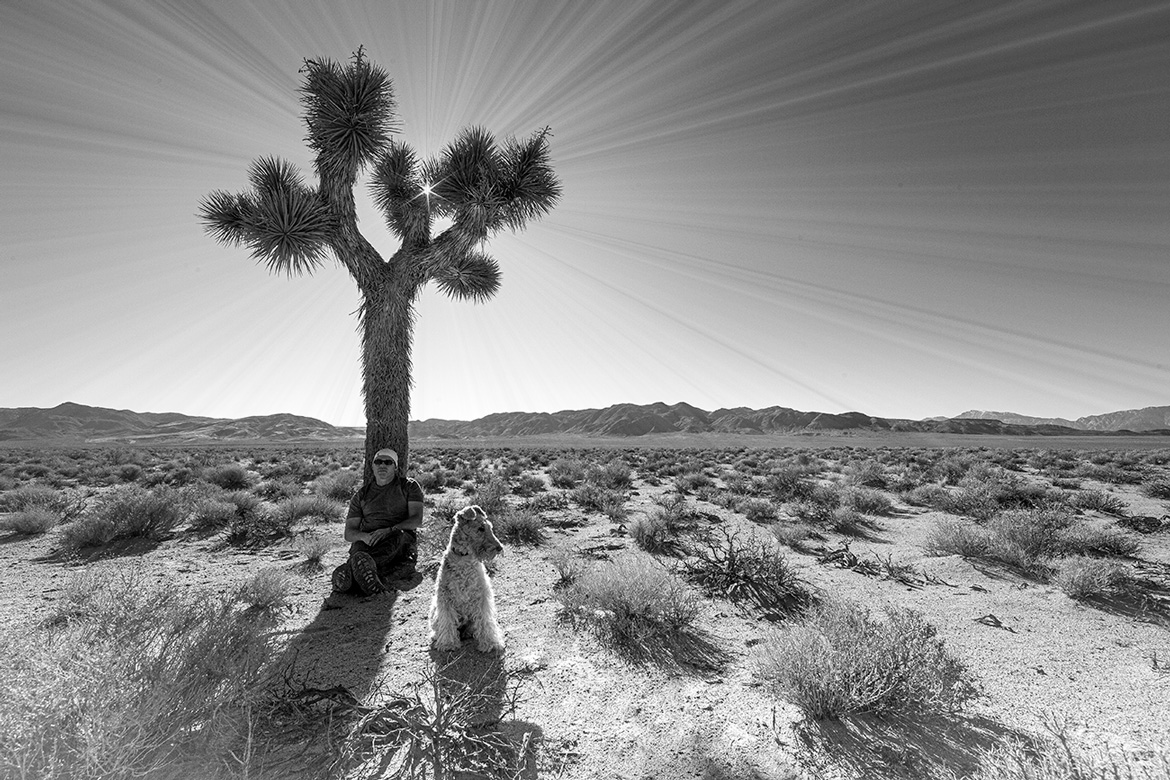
(281, 220)
(349, 112)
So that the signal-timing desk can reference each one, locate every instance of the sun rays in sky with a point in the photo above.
(907, 209)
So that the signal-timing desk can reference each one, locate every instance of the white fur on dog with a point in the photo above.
(463, 592)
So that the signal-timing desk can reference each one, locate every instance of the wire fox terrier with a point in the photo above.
(463, 592)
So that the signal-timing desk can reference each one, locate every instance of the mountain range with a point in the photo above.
(76, 422)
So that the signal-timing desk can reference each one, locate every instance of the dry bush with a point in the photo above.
(267, 590)
(566, 472)
(1082, 577)
(296, 508)
(130, 512)
(957, 537)
(867, 501)
(631, 604)
(840, 660)
(65, 504)
(315, 547)
(517, 525)
(33, 521)
(758, 510)
(1099, 501)
(230, 476)
(1156, 488)
(593, 497)
(337, 485)
(748, 570)
(1056, 757)
(211, 515)
(613, 475)
(130, 679)
(794, 535)
(440, 728)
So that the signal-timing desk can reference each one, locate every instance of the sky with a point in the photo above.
(907, 209)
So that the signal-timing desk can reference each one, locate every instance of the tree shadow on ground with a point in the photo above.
(907, 748)
(343, 645)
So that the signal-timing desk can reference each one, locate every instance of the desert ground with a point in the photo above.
(1053, 656)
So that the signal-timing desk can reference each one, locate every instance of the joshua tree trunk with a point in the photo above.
(387, 319)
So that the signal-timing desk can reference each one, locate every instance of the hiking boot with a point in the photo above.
(365, 572)
(342, 578)
(405, 579)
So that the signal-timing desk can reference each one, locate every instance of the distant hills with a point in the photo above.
(76, 422)
(1152, 418)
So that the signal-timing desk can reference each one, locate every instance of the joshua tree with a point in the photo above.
(482, 186)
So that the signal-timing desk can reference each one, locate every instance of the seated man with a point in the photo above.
(382, 524)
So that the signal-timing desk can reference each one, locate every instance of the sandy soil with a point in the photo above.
(1035, 652)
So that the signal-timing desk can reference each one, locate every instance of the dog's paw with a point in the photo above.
(489, 647)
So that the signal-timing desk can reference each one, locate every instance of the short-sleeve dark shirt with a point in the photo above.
(385, 506)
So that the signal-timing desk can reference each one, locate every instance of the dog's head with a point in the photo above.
(473, 534)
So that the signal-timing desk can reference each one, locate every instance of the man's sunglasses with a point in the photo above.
(384, 461)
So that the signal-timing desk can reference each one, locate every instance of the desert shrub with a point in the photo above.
(296, 508)
(568, 564)
(1081, 538)
(1024, 539)
(545, 502)
(794, 535)
(1057, 758)
(259, 527)
(211, 515)
(87, 531)
(692, 481)
(593, 497)
(1157, 488)
(130, 679)
(867, 501)
(841, 660)
(867, 473)
(931, 495)
(267, 590)
(847, 520)
(33, 521)
(788, 484)
(758, 510)
(490, 494)
(651, 533)
(748, 570)
(129, 512)
(65, 504)
(337, 485)
(566, 472)
(957, 537)
(277, 489)
(529, 485)
(517, 525)
(1108, 472)
(315, 547)
(1082, 577)
(129, 472)
(1100, 501)
(612, 475)
(230, 476)
(631, 604)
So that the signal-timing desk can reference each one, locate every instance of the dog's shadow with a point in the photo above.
(486, 698)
